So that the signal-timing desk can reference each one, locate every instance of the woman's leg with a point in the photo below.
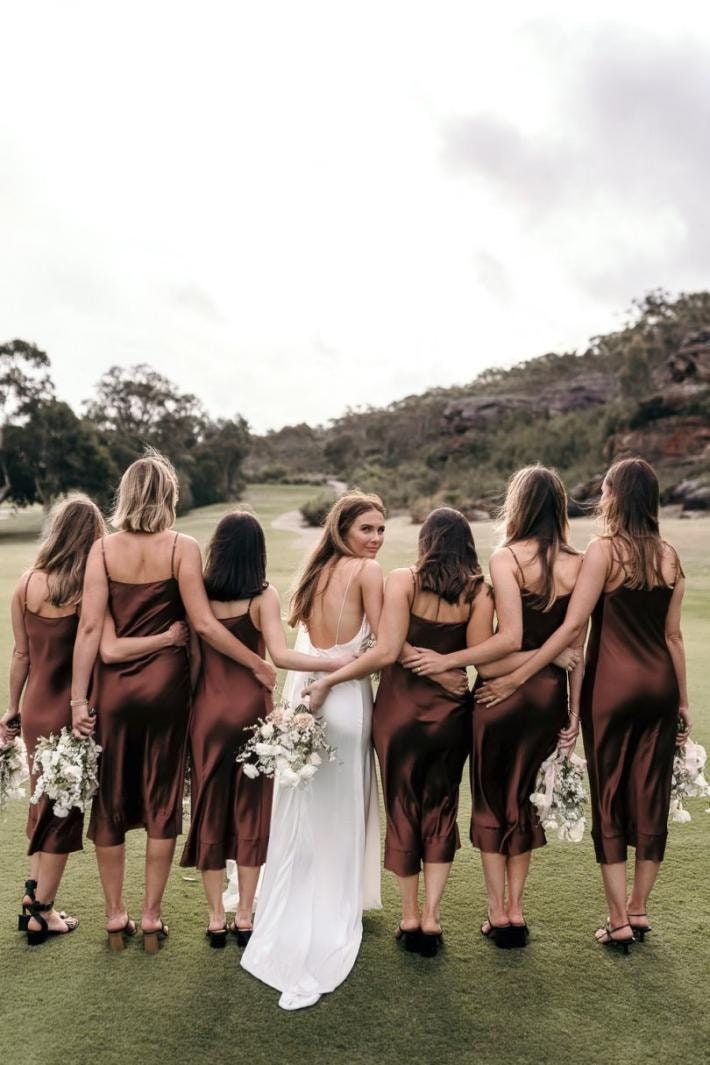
(112, 862)
(614, 877)
(435, 876)
(494, 876)
(158, 860)
(247, 878)
(409, 892)
(49, 874)
(517, 867)
(645, 874)
(213, 883)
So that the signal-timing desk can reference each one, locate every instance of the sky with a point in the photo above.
(290, 209)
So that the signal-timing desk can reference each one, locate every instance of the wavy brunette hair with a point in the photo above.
(448, 564)
(235, 567)
(535, 508)
(331, 547)
(629, 513)
(74, 526)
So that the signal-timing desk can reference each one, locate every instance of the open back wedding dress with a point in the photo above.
(323, 863)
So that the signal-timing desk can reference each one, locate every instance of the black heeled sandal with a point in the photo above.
(429, 943)
(615, 944)
(410, 938)
(639, 930)
(23, 918)
(117, 936)
(217, 937)
(503, 935)
(153, 939)
(35, 936)
(243, 935)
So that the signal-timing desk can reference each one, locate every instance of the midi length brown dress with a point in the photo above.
(46, 710)
(231, 813)
(512, 740)
(143, 709)
(629, 716)
(422, 736)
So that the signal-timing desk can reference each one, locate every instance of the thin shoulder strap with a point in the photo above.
(103, 556)
(521, 575)
(345, 596)
(27, 585)
(172, 556)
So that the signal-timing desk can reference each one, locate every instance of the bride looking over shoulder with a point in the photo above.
(323, 863)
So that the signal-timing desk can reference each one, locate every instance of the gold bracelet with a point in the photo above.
(78, 702)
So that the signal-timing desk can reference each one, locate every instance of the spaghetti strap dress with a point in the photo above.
(629, 716)
(46, 710)
(422, 736)
(511, 741)
(230, 812)
(143, 709)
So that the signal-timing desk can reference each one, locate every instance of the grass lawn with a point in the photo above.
(564, 999)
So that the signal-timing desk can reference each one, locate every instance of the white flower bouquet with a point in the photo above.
(14, 771)
(289, 745)
(688, 780)
(66, 766)
(559, 796)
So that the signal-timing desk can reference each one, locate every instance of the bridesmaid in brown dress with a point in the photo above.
(534, 578)
(230, 812)
(148, 577)
(634, 692)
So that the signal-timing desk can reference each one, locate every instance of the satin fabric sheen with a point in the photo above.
(629, 715)
(230, 812)
(142, 709)
(46, 710)
(422, 736)
(511, 741)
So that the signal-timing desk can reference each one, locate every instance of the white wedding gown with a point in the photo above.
(323, 863)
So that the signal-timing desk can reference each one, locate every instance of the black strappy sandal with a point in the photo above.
(639, 930)
(35, 936)
(429, 943)
(615, 944)
(153, 939)
(23, 918)
(505, 936)
(117, 936)
(217, 937)
(410, 938)
(243, 934)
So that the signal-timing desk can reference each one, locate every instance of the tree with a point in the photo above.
(24, 383)
(217, 461)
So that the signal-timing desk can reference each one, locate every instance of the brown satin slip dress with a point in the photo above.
(422, 736)
(45, 710)
(512, 739)
(231, 813)
(142, 709)
(629, 715)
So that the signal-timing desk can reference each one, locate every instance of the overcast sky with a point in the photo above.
(291, 208)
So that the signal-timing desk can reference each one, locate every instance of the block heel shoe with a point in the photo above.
(35, 936)
(117, 936)
(23, 918)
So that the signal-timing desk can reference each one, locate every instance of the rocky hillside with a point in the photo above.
(644, 390)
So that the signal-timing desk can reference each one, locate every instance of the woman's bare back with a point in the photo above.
(140, 558)
(338, 606)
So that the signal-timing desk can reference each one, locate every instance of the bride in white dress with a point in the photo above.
(323, 863)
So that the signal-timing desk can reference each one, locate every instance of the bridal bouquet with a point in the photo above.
(66, 766)
(688, 780)
(289, 745)
(559, 796)
(13, 771)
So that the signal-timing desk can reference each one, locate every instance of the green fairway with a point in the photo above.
(563, 999)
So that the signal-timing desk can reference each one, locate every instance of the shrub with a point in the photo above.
(315, 510)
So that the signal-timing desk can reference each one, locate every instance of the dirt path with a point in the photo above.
(292, 520)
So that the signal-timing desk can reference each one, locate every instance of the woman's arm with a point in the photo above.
(674, 640)
(195, 654)
(566, 659)
(275, 639)
(509, 608)
(94, 607)
(372, 586)
(203, 621)
(392, 633)
(593, 576)
(568, 736)
(19, 664)
(115, 648)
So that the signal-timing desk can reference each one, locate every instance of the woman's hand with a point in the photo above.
(454, 681)
(684, 725)
(178, 635)
(83, 720)
(331, 665)
(425, 663)
(9, 727)
(567, 738)
(567, 659)
(316, 693)
(266, 674)
(495, 691)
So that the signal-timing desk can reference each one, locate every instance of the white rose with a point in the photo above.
(549, 825)
(306, 772)
(315, 758)
(265, 750)
(289, 778)
(250, 770)
(680, 815)
(60, 811)
(577, 831)
(267, 730)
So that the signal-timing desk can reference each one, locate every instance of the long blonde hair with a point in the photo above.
(535, 508)
(331, 547)
(147, 496)
(73, 527)
(629, 513)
